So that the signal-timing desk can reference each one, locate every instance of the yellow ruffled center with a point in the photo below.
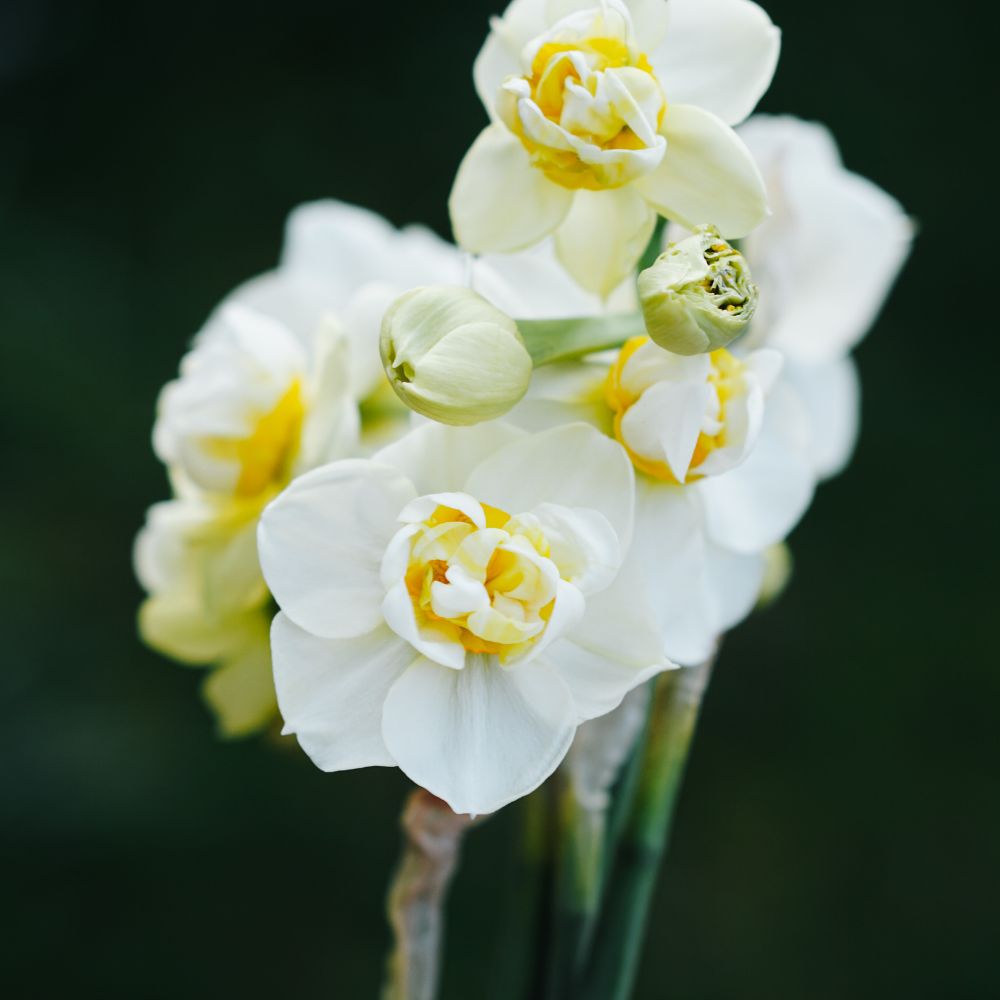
(566, 83)
(725, 376)
(265, 457)
(491, 588)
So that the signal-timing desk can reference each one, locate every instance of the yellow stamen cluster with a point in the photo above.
(503, 570)
(265, 457)
(552, 74)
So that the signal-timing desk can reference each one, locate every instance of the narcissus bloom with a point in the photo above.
(721, 473)
(252, 407)
(605, 114)
(455, 606)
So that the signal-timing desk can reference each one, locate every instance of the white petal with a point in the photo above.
(602, 238)
(499, 201)
(345, 247)
(707, 175)
(331, 692)
(665, 422)
(616, 647)
(321, 544)
(583, 544)
(480, 737)
(827, 258)
(331, 426)
(696, 589)
(759, 502)
(573, 465)
(717, 54)
(399, 615)
(830, 394)
(423, 507)
(534, 285)
(437, 458)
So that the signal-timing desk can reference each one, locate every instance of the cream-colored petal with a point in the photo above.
(573, 465)
(436, 458)
(602, 238)
(332, 691)
(500, 202)
(321, 544)
(707, 175)
(480, 737)
(827, 258)
(240, 691)
(717, 54)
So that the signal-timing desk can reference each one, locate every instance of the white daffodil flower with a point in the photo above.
(251, 408)
(722, 474)
(825, 262)
(455, 606)
(606, 113)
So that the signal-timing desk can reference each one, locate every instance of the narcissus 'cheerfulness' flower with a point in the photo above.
(721, 473)
(607, 113)
(252, 407)
(455, 606)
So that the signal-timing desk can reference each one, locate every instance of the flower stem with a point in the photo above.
(433, 837)
(551, 340)
(615, 962)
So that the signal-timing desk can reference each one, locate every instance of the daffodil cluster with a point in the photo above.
(477, 494)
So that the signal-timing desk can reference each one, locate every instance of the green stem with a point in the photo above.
(612, 971)
(580, 857)
(516, 947)
(550, 340)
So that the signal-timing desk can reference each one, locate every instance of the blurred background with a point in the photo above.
(837, 834)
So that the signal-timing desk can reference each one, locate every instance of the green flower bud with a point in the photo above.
(452, 356)
(698, 295)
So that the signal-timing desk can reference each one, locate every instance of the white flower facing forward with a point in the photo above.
(607, 113)
(722, 475)
(455, 607)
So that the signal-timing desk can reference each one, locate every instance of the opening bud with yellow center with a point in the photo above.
(683, 418)
(698, 295)
(452, 356)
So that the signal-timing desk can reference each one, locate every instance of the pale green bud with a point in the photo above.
(697, 296)
(777, 573)
(452, 356)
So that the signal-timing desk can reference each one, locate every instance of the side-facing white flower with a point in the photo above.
(825, 262)
(721, 473)
(606, 113)
(455, 607)
(252, 407)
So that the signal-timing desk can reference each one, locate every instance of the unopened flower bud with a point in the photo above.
(777, 573)
(697, 296)
(452, 356)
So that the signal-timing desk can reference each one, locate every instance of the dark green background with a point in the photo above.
(838, 832)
